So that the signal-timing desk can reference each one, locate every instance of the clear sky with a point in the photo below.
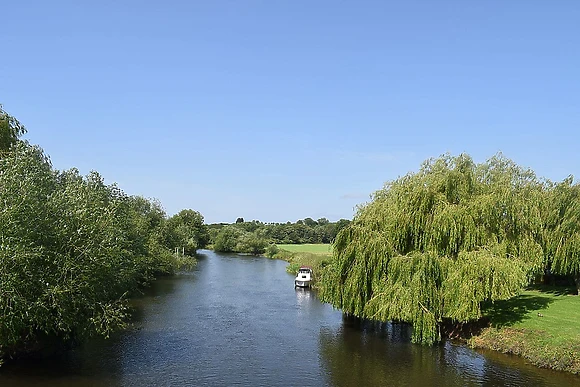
(281, 110)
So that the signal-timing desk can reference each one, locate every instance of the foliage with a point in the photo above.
(302, 232)
(186, 230)
(251, 243)
(235, 239)
(563, 230)
(271, 250)
(437, 243)
(535, 346)
(227, 239)
(301, 255)
(318, 248)
(10, 130)
(72, 248)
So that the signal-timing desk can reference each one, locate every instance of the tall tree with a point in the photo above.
(192, 234)
(10, 130)
(71, 247)
(563, 230)
(434, 245)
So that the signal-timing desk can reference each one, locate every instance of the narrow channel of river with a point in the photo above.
(237, 320)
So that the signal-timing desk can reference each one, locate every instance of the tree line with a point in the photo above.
(255, 237)
(72, 248)
(432, 247)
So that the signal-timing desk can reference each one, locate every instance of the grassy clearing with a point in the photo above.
(541, 325)
(325, 249)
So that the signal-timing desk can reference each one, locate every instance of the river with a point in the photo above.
(237, 320)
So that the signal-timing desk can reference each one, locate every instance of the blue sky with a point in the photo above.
(281, 110)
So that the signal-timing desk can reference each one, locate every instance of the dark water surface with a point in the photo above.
(238, 320)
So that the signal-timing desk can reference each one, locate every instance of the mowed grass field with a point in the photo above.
(541, 324)
(550, 310)
(312, 248)
(313, 255)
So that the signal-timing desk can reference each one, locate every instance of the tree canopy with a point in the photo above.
(72, 247)
(433, 245)
(10, 130)
(254, 237)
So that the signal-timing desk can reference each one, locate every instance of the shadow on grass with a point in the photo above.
(555, 290)
(514, 310)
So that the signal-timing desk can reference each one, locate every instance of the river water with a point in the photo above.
(237, 320)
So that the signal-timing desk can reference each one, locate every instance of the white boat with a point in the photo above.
(304, 277)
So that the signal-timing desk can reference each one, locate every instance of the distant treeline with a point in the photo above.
(254, 237)
(72, 248)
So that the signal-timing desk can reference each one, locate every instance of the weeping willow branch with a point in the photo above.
(437, 243)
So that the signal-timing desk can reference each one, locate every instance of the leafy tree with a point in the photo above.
(10, 130)
(72, 248)
(251, 243)
(434, 245)
(188, 231)
(149, 237)
(310, 222)
(563, 230)
(227, 239)
(342, 223)
(26, 183)
(303, 231)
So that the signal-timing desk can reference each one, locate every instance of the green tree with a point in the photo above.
(71, 247)
(563, 230)
(26, 183)
(342, 223)
(434, 245)
(10, 130)
(251, 243)
(189, 231)
(227, 239)
(310, 222)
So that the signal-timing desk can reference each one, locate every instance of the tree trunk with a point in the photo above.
(577, 280)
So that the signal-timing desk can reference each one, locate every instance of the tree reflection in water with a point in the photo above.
(365, 353)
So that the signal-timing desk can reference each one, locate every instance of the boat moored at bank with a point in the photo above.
(303, 277)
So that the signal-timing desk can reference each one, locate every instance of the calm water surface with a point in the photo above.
(238, 320)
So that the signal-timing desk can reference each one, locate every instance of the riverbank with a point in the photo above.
(541, 325)
(43, 345)
(313, 255)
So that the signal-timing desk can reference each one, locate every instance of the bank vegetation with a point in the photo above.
(432, 247)
(73, 248)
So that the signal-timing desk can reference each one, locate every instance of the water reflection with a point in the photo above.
(365, 353)
(305, 296)
(238, 320)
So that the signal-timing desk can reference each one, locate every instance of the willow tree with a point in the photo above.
(435, 244)
(10, 130)
(563, 230)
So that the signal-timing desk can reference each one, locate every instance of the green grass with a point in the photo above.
(555, 311)
(313, 255)
(318, 248)
(542, 325)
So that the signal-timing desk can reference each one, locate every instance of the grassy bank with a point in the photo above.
(324, 249)
(313, 255)
(541, 325)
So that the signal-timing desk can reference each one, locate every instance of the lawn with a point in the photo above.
(318, 248)
(313, 255)
(541, 324)
(555, 311)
